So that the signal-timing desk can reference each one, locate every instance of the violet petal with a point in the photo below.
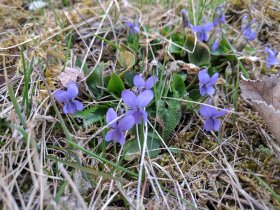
(126, 123)
(109, 135)
(71, 107)
(117, 135)
(202, 90)
(151, 81)
(110, 116)
(79, 105)
(65, 109)
(129, 98)
(209, 124)
(216, 125)
(207, 27)
(210, 90)
(72, 90)
(206, 111)
(121, 139)
(137, 117)
(216, 44)
(138, 81)
(203, 76)
(219, 113)
(60, 96)
(197, 29)
(144, 115)
(144, 98)
(213, 79)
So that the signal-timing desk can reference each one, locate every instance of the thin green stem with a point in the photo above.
(13, 97)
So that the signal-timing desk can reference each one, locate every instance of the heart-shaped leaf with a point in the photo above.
(178, 85)
(95, 80)
(115, 85)
(179, 41)
(132, 149)
(201, 54)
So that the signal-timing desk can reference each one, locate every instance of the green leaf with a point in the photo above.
(166, 30)
(65, 3)
(95, 80)
(201, 54)
(179, 40)
(194, 94)
(189, 105)
(133, 42)
(128, 78)
(132, 150)
(250, 50)
(170, 115)
(222, 54)
(85, 67)
(175, 150)
(92, 114)
(95, 77)
(115, 85)
(178, 85)
(183, 75)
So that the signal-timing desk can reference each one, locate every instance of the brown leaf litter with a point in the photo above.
(264, 95)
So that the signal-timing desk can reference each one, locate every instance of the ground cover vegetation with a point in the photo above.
(137, 104)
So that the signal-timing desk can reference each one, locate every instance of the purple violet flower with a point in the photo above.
(118, 127)
(141, 84)
(67, 97)
(186, 20)
(249, 29)
(133, 28)
(216, 45)
(203, 30)
(218, 38)
(244, 23)
(271, 57)
(206, 83)
(211, 117)
(137, 104)
(219, 16)
(253, 30)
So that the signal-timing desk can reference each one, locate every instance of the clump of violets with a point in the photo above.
(68, 98)
(186, 20)
(206, 82)
(141, 84)
(219, 16)
(211, 115)
(249, 29)
(203, 31)
(118, 126)
(271, 57)
(136, 113)
(133, 28)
